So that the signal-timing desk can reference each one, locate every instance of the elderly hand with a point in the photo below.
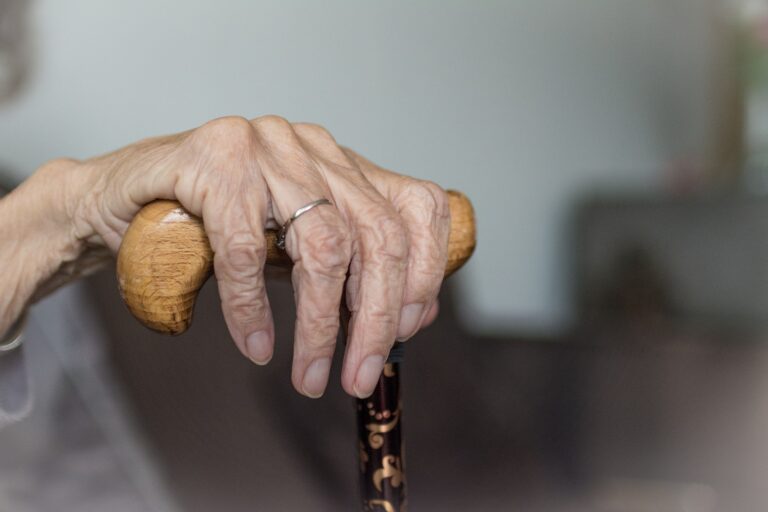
(385, 236)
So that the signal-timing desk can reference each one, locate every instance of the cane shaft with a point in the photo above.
(381, 447)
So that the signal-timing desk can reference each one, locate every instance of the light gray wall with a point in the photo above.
(521, 104)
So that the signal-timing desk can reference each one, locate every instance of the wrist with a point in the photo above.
(46, 207)
(38, 233)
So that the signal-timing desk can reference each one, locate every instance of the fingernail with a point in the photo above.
(258, 347)
(410, 316)
(368, 375)
(316, 377)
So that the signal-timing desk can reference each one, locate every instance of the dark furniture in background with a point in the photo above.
(658, 399)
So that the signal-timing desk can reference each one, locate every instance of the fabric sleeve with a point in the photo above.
(15, 395)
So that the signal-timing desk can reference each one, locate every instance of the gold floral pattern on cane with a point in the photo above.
(390, 469)
(389, 370)
(387, 506)
(375, 438)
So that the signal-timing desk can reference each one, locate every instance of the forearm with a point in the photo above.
(381, 248)
(39, 246)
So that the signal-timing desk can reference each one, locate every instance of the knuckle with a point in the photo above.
(57, 165)
(427, 210)
(247, 304)
(227, 130)
(315, 131)
(426, 268)
(437, 195)
(384, 320)
(323, 144)
(248, 310)
(320, 330)
(244, 299)
(428, 195)
(243, 255)
(273, 125)
(390, 235)
(329, 250)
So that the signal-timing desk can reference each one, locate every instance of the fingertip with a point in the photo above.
(259, 347)
(368, 375)
(423, 320)
(315, 379)
(431, 315)
(410, 320)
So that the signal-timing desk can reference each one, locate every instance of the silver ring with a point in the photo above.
(298, 213)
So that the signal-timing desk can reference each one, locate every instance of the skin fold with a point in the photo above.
(381, 247)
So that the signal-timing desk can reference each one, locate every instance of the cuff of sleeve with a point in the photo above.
(13, 338)
(15, 395)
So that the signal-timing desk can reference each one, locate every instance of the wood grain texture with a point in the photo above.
(463, 237)
(165, 259)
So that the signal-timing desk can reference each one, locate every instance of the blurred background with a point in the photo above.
(606, 348)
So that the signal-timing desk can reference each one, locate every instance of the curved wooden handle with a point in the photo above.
(165, 259)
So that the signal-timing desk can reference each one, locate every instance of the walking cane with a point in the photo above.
(165, 259)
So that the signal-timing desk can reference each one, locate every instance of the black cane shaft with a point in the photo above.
(381, 447)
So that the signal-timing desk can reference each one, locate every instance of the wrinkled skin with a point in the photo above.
(384, 240)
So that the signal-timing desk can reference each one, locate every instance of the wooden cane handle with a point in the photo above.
(165, 259)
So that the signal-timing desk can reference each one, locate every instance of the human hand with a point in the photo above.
(385, 235)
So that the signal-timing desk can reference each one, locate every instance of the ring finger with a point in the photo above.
(318, 242)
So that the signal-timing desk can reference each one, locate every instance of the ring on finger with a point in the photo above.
(298, 213)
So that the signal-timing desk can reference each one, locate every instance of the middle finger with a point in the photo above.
(377, 275)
